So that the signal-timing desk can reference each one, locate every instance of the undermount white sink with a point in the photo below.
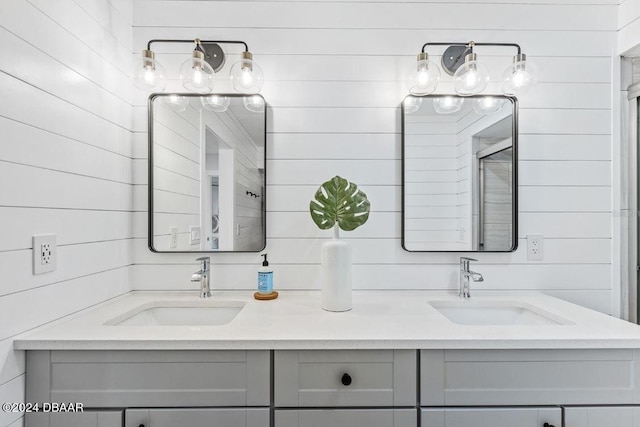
(496, 313)
(180, 313)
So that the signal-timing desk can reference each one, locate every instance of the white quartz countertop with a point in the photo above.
(379, 320)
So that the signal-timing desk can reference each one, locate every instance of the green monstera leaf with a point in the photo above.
(341, 201)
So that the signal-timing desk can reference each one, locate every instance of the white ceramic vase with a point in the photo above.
(335, 275)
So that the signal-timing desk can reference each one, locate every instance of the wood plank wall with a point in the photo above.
(335, 75)
(65, 164)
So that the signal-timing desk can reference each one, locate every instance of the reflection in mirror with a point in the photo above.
(207, 173)
(459, 173)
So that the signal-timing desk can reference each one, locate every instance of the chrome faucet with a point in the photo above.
(465, 275)
(202, 276)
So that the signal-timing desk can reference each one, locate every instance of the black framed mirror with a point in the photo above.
(207, 173)
(459, 173)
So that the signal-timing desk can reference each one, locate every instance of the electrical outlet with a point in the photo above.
(535, 247)
(173, 237)
(45, 253)
(194, 235)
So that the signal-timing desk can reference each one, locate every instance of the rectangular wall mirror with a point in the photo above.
(207, 175)
(459, 167)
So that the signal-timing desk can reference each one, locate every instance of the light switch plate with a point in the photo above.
(173, 237)
(194, 235)
(45, 254)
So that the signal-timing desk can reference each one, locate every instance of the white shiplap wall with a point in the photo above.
(629, 28)
(335, 72)
(65, 164)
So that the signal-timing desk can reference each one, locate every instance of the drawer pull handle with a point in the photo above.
(346, 380)
(547, 425)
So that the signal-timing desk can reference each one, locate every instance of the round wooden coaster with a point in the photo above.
(265, 297)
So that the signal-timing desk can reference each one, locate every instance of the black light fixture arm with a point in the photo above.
(470, 45)
(246, 47)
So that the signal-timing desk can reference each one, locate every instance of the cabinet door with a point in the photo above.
(258, 417)
(492, 417)
(346, 418)
(78, 419)
(603, 416)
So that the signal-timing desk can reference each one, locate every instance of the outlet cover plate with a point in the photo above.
(535, 247)
(45, 253)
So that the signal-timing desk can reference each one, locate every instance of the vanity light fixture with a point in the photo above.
(423, 77)
(469, 75)
(197, 74)
(151, 75)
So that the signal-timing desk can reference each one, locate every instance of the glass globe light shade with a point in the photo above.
(176, 102)
(520, 76)
(254, 103)
(488, 104)
(447, 104)
(196, 74)
(246, 76)
(216, 103)
(412, 104)
(423, 77)
(148, 75)
(471, 78)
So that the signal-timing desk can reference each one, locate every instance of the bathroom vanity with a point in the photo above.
(401, 359)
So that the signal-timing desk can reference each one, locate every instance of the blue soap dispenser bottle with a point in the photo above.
(265, 277)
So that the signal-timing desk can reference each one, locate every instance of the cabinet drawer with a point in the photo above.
(345, 378)
(170, 417)
(602, 416)
(79, 419)
(491, 417)
(149, 378)
(527, 377)
(346, 417)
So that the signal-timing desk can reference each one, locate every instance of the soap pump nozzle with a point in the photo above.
(265, 263)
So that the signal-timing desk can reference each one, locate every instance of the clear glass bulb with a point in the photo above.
(447, 104)
(177, 102)
(246, 76)
(519, 77)
(216, 103)
(254, 103)
(412, 104)
(148, 75)
(471, 78)
(197, 75)
(423, 77)
(488, 104)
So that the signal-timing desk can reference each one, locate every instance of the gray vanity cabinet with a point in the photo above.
(151, 381)
(378, 387)
(84, 419)
(492, 417)
(602, 416)
(224, 417)
(339, 378)
(529, 377)
(346, 417)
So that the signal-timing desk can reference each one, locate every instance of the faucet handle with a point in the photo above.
(205, 262)
(464, 258)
